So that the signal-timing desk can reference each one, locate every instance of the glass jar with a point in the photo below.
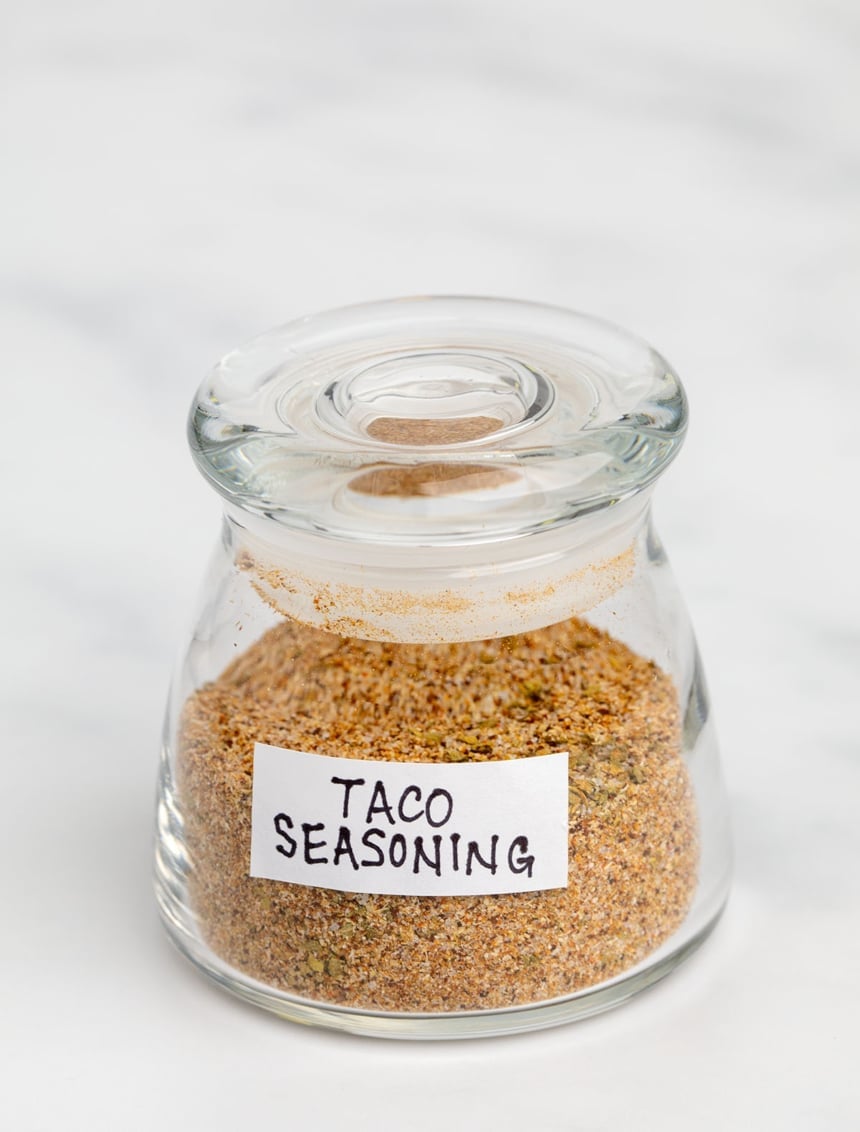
(439, 760)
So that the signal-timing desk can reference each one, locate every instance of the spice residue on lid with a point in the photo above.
(430, 479)
(383, 608)
(431, 430)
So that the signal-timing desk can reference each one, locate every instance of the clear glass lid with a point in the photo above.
(437, 420)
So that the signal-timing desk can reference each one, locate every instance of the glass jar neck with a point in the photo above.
(440, 593)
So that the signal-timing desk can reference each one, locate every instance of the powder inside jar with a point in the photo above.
(568, 687)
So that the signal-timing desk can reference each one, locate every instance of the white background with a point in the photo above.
(178, 176)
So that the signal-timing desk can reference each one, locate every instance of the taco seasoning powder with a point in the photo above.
(568, 687)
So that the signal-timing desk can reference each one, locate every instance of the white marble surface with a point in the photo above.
(179, 176)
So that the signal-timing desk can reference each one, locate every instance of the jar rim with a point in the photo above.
(437, 420)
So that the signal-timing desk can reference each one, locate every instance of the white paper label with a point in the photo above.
(409, 829)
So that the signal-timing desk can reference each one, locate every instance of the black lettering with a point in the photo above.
(283, 822)
(380, 807)
(522, 864)
(434, 862)
(474, 854)
(399, 841)
(455, 852)
(380, 856)
(343, 847)
(439, 793)
(348, 784)
(308, 828)
(409, 790)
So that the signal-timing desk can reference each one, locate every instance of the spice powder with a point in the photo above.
(569, 687)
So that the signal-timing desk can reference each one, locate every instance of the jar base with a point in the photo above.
(418, 1026)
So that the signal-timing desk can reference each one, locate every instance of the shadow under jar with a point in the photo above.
(438, 759)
